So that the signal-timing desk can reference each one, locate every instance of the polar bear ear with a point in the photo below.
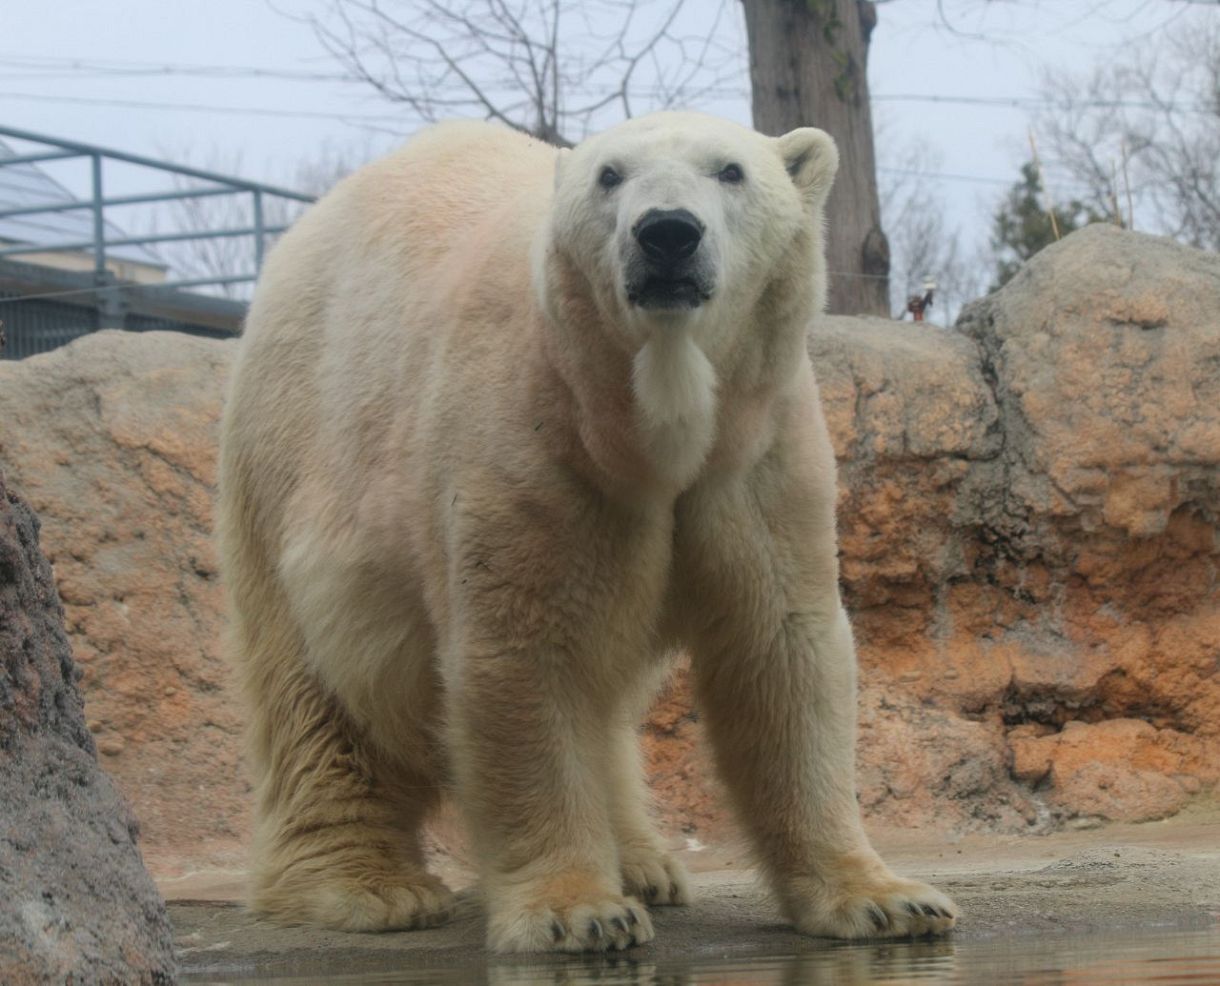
(811, 159)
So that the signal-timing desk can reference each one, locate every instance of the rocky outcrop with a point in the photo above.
(113, 441)
(78, 905)
(1029, 539)
(1098, 556)
(1028, 517)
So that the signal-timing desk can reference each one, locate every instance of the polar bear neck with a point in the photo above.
(675, 403)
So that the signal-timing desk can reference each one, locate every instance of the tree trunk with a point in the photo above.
(808, 68)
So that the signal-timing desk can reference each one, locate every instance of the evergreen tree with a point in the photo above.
(1022, 226)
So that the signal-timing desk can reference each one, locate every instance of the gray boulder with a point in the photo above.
(76, 904)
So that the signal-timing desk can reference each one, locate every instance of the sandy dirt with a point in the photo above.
(1155, 877)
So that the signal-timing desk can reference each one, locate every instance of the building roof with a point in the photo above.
(25, 185)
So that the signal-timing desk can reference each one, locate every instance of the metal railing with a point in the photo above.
(97, 203)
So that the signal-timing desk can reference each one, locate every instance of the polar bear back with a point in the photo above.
(412, 271)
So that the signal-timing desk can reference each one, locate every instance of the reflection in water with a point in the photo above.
(829, 965)
(1179, 958)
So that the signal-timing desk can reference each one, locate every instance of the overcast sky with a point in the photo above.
(264, 126)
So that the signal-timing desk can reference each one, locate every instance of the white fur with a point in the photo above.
(675, 390)
(471, 497)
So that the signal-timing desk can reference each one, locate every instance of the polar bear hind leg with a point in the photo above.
(649, 871)
(337, 838)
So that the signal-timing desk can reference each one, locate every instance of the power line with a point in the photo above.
(106, 67)
(945, 176)
(202, 107)
(354, 118)
(1015, 102)
(1040, 102)
(45, 63)
(30, 74)
(976, 179)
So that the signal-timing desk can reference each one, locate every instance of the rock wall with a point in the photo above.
(113, 441)
(78, 905)
(1028, 521)
(1099, 555)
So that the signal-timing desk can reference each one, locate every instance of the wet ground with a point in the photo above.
(1134, 904)
(1177, 958)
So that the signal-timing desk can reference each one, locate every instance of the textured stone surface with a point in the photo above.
(77, 903)
(1028, 517)
(113, 441)
(1047, 575)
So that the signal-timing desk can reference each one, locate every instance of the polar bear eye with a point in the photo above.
(609, 177)
(731, 174)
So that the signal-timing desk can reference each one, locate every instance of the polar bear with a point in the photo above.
(508, 427)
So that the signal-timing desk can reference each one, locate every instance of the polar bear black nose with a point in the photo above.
(668, 235)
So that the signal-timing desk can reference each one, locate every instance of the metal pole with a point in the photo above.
(186, 193)
(99, 222)
(258, 231)
(109, 306)
(35, 158)
(147, 162)
(193, 234)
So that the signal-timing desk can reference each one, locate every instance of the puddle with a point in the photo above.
(1177, 958)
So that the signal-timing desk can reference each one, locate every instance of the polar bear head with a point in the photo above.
(694, 246)
(684, 219)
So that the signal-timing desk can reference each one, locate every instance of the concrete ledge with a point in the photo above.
(1130, 879)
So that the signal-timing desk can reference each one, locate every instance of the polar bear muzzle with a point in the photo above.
(666, 270)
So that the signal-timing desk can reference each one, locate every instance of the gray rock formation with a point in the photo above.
(76, 904)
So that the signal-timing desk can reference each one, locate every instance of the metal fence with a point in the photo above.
(42, 306)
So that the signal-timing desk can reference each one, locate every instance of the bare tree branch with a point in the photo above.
(1161, 107)
(537, 66)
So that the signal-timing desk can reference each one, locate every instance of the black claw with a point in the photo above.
(650, 891)
(881, 920)
(673, 891)
(595, 929)
(619, 925)
(944, 913)
(632, 918)
(556, 931)
(913, 910)
(929, 910)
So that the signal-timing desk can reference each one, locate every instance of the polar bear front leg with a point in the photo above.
(775, 671)
(532, 785)
(783, 726)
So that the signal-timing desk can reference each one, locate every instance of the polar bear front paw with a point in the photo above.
(654, 876)
(563, 917)
(865, 900)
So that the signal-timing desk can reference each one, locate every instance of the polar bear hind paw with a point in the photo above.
(654, 876)
(369, 905)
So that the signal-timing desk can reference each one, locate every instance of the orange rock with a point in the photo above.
(1028, 508)
(113, 441)
(1118, 769)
